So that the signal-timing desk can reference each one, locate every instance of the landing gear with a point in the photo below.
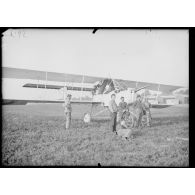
(87, 118)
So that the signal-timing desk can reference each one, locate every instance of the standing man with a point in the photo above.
(138, 110)
(113, 112)
(147, 106)
(122, 109)
(67, 111)
(137, 102)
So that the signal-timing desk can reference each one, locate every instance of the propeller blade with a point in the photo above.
(119, 86)
(136, 90)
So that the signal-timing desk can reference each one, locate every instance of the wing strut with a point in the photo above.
(83, 78)
(65, 88)
(45, 79)
(158, 91)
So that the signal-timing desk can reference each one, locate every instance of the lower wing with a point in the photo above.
(23, 102)
(160, 105)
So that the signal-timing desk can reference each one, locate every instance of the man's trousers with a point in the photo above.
(68, 119)
(113, 117)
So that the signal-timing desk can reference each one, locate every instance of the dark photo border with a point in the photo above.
(94, 31)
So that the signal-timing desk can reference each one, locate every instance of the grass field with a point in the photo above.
(34, 135)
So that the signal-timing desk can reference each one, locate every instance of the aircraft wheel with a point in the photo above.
(87, 118)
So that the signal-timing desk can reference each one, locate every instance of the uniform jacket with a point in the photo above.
(122, 106)
(67, 107)
(138, 104)
(112, 106)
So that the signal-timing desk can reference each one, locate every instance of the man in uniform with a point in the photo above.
(147, 106)
(138, 102)
(122, 109)
(113, 112)
(67, 111)
(138, 108)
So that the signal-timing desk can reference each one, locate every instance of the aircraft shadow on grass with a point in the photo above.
(156, 122)
(100, 120)
(162, 121)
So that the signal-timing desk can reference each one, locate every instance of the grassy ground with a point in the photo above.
(34, 135)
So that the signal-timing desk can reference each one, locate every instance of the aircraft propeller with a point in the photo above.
(136, 90)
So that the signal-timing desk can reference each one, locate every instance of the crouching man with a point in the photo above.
(123, 130)
(113, 112)
(67, 111)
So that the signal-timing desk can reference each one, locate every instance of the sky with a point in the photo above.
(159, 56)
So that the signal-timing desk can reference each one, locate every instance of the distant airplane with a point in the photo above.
(100, 88)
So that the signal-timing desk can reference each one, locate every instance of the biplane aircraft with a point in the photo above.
(100, 89)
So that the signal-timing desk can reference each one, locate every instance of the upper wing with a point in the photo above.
(49, 76)
(73, 78)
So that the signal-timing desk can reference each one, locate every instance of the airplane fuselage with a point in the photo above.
(128, 95)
